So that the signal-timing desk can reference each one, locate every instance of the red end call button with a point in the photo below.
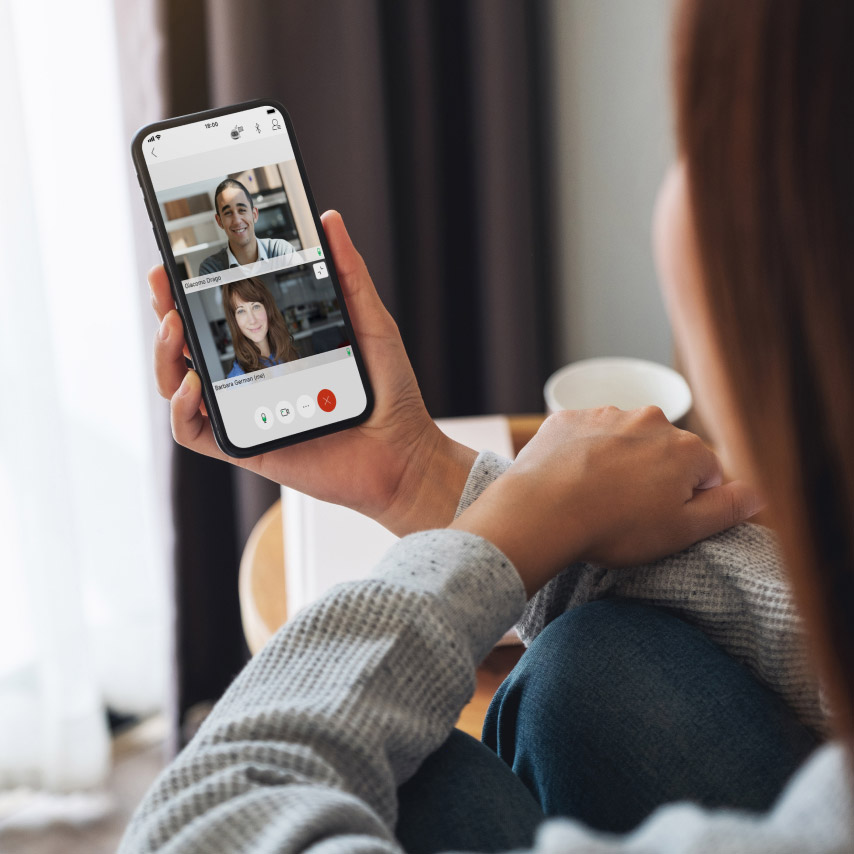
(326, 400)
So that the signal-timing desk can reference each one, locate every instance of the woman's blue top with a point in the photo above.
(236, 370)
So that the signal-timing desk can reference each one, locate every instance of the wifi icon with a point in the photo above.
(158, 136)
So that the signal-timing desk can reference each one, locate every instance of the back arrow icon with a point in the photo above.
(152, 152)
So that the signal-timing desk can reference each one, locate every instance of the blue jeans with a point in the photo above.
(615, 709)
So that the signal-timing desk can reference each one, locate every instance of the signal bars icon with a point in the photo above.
(153, 137)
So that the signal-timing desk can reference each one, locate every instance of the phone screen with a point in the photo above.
(260, 290)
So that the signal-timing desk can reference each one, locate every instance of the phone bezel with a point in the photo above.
(175, 278)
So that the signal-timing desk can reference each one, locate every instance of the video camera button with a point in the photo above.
(285, 411)
(305, 406)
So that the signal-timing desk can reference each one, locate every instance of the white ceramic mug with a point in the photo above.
(624, 383)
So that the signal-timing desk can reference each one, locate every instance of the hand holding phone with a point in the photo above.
(251, 277)
(396, 467)
(250, 291)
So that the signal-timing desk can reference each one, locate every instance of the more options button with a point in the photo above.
(305, 406)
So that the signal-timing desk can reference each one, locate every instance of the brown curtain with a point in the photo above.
(425, 122)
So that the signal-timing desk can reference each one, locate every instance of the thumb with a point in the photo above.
(348, 262)
(363, 302)
(721, 507)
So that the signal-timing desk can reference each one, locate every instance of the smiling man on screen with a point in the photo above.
(236, 215)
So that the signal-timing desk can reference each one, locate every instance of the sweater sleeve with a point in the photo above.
(311, 741)
(306, 749)
(733, 586)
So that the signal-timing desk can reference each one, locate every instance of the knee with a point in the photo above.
(578, 678)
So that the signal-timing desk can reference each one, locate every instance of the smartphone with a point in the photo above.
(252, 276)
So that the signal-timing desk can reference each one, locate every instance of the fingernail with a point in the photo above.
(185, 385)
(164, 330)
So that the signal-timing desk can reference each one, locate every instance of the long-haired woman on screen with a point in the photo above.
(258, 331)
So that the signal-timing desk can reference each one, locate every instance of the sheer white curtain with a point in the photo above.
(84, 605)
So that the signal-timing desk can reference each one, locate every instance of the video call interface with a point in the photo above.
(253, 271)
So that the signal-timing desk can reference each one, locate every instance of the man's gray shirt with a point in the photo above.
(268, 247)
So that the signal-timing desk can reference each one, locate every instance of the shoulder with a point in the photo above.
(276, 246)
(235, 371)
(214, 263)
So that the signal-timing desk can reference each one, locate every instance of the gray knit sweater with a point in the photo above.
(308, 746)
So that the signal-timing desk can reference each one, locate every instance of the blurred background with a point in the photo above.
(496, 162)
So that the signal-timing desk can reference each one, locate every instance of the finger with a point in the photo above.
(721, 507)
(710, 472)
(189, 427)
(161, 293)
(362, 298)
(169, 365)
(348, 262)
(700, 460)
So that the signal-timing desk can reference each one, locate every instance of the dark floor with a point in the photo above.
(138, 756)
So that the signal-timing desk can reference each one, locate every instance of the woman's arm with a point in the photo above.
(311, 741)
(732, 585)
(308, 746)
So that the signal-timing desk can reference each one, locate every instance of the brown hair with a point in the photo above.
(231, 182)
(246, 352)
(766, 129)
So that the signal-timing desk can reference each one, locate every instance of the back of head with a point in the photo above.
(766, 130)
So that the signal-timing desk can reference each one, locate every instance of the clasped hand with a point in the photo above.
(601, 485)
(609, 487)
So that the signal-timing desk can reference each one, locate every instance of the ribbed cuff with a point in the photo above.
(488, 467)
